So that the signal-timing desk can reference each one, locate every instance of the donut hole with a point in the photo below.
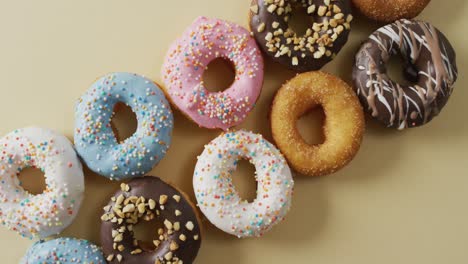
(310, 126)
(300, 21)
(219, 75)
(401, 72)
(243, 180)
(147, 231)
(124, 122)
(32, 180)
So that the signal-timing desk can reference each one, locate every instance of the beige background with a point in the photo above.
(402, 200)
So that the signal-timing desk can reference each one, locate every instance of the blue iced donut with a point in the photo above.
(63, 251)
(95, 140)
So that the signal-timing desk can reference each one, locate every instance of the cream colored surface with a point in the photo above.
(402, 200)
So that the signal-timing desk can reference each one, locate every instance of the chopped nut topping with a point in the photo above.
(322, 10)
(271, 8)
(152, 204)
(295, 61)
(160, 231)
(311, 9)
(141, 208)
(124, 187)
(176, 198)
(189, 225)
(128, 211)
(162, 199)
(261, 27)
(254, 9)
(173, 246)
(176, 226)
(118, 238)
(168, 224)
(136, 251)
(128, 208)
(168, 256)
(156, 243)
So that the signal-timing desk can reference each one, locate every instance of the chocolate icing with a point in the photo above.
(151, 188)
(317, 47)
(430, 64)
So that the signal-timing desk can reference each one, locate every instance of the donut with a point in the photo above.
(269, 23)
(48, 213)
(150, 199)
(390, 11)
(63, 251)
(95, 140)
(204, 41)
(217, 197)
(343, 128)
(429, 66)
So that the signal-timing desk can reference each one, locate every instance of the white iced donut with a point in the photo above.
(53, 210)
(217, 196)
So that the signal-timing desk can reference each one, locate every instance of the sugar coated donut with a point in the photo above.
(430, 67)
(389, 11)
(217, 196)
(64, 251)
(343, 128)
(269, 22)
(53, 210)
(188, 57)
(95, 140)
(150, 199)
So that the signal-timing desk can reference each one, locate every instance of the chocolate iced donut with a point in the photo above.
(430, 67)
(269, 22)
(150, 199)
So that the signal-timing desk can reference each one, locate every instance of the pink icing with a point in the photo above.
(205, 40)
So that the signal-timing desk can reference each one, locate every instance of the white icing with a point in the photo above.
(53, 210)
(216, 194)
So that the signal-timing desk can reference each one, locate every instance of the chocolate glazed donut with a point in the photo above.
(321, 42)
(150, 199)
(429, 65)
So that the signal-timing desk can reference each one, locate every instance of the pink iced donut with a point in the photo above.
(188, 57)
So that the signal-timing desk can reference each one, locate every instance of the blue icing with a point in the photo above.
(95, 141)
(63, 251)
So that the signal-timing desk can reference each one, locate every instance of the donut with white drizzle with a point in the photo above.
(217, 196)
(269, 23)
(430, 66)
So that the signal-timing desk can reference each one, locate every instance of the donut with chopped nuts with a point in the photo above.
(150, 199)
(429, 66)
(343, 128)
(269, 22)
(390, 11)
